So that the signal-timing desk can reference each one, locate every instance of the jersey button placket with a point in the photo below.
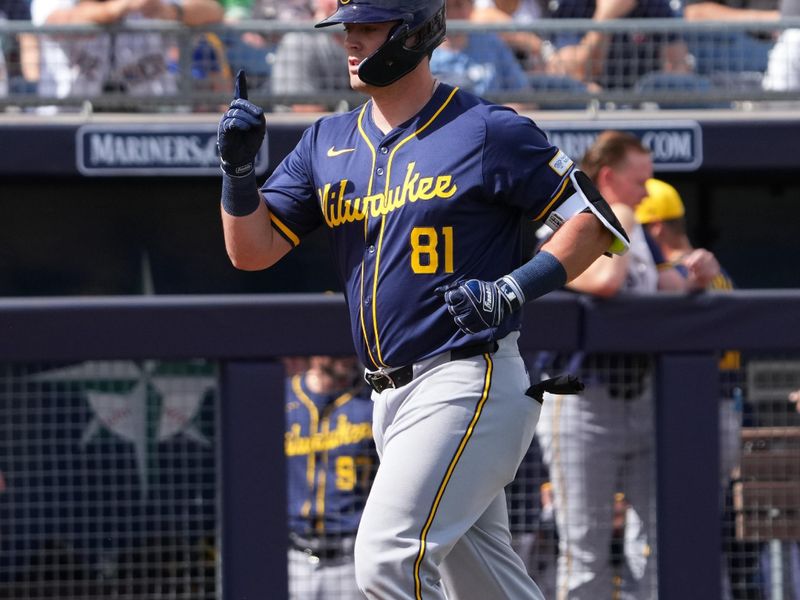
(380, 166)
(371, 255)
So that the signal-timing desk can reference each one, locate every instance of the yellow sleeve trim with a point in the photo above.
(287, 233)
(553, 200)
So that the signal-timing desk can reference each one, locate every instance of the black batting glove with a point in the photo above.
(477, 305)
(241, 132)
(561, 384)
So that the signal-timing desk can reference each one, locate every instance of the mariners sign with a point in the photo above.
(675, 145)
(129, 149)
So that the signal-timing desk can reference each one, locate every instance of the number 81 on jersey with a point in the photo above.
(430, 248)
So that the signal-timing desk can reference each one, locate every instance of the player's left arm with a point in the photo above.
(585, 228)
(477, 305)
(578, 244)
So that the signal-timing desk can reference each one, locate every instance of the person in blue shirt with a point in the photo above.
(330, 459)
(479, 62)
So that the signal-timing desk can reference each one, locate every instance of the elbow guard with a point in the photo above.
(584, 196)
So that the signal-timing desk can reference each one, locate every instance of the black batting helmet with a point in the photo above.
(423, 21)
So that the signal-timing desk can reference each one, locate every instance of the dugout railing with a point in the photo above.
(724, 68)
(246, 335)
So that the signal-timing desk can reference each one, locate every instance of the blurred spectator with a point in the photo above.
(795, 398)
(210, 70)
(527, 46)
(254, 51)
(237, 10)
(478, 62)
(3, 70)
(730, 10)
(330, 462)
(132, 63)
(618, 60)
(600, 442)
(732, 57)
(289, 11)
(19, 55)
(308, 63)
(783, 68)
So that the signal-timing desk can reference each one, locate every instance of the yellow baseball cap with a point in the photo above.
(662, 203)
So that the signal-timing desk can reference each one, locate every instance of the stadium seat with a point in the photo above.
(728, 52)
(678, 90)
(741, 81)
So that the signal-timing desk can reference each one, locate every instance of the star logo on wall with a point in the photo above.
(144, 404)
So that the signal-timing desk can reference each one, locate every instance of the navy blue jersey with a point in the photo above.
(441, 198)
(330, 459)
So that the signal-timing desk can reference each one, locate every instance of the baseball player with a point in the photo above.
(423, 191)
(330, 462)
(662, 214)
(600, 442)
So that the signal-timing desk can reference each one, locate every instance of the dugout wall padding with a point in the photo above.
(247, 334)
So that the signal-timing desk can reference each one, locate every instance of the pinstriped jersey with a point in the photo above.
(644, 261)
(441, 198)
(330, 458)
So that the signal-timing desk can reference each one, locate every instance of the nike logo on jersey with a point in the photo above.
(333, 152)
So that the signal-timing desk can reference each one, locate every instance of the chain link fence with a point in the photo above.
(145, 66)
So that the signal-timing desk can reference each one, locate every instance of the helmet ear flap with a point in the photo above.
(396, 58)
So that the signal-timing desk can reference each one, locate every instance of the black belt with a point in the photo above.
(325, 547)
(403, 375)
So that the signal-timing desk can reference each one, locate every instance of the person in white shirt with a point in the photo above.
(783, 68)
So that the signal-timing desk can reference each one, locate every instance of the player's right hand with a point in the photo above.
(241, 132)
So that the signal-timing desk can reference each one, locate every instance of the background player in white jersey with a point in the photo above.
(133, 62)
(600, 442)
(424, 191)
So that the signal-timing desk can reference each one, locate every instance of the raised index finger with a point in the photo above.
(240, 87)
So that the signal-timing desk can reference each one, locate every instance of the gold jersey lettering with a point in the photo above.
(338, 210)
(343, 434)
